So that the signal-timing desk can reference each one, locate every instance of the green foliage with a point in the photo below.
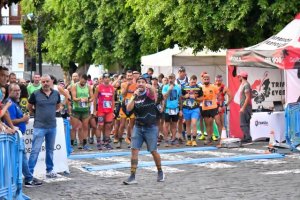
(120, 31)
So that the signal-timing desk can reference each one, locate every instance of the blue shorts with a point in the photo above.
(189, 114)
(147, 134)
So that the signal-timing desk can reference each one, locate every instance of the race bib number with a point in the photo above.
(189, 103)
(173, 111)
(159, 107)
(207, 103)
(83, 104)
(107, 104)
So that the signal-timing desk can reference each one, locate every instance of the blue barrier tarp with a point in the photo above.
(187, 161)
(128, 153)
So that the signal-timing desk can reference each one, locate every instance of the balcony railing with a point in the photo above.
(10, 20)
(4, 21)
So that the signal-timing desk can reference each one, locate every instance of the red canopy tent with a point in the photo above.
(273, 67)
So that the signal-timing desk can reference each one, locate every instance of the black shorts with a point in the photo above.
(209, 113)
(169, 118)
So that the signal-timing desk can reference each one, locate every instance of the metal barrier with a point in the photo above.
(68, 136)
(11, 150)
(292, 127)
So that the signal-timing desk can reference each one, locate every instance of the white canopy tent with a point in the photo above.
(169, 60)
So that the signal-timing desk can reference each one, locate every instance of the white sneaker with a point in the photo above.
(51, 174)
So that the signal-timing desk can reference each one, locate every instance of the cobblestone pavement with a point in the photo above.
(255, 179)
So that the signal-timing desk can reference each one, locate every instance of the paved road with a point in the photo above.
(255, 179)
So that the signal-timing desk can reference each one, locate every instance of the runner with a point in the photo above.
(192, 95)
(201, 124)
(209, 106)
(145, 129)
(118, 101)
(171, 93)
(182, 80)
(104, 95)
(82, 95)
(93, 118)
(159, 105)
(127, 90)
(223, 90)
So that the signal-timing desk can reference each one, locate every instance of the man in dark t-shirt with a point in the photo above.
(44, 103)
(145, 130)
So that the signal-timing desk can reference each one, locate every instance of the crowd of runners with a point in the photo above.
(98, 113)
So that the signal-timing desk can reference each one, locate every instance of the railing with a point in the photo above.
(4, 20)
(11, 149)
(68, 136)
(292, 125)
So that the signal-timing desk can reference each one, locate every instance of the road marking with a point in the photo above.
(267, 162)
(59, 178)
(216, 165)
(109, 173)
(249, 150)
(115, 159)
(213, 153)
(185, 161)
(171, 157)
(166, 169)
(128, 153)
(293, 171)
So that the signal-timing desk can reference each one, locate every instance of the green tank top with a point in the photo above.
(81, 93)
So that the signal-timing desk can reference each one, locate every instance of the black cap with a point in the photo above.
(142, 77)
(181, 69)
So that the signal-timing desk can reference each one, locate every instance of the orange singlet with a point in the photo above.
(210, 93)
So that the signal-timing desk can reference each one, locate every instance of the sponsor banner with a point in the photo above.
(263, 123)
(293, 85)
(267, 85)
(59, 155)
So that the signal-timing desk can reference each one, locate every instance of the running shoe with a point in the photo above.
(34, 183)
(174, 142)
(188, 143)
(194, 143)
(160, 176)
(87, 148)
(51, 174)
(214, 138)
(108, 146)
(75, 143)
(131, 180)
(99, 146)
(201, 137)
(91, 140)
